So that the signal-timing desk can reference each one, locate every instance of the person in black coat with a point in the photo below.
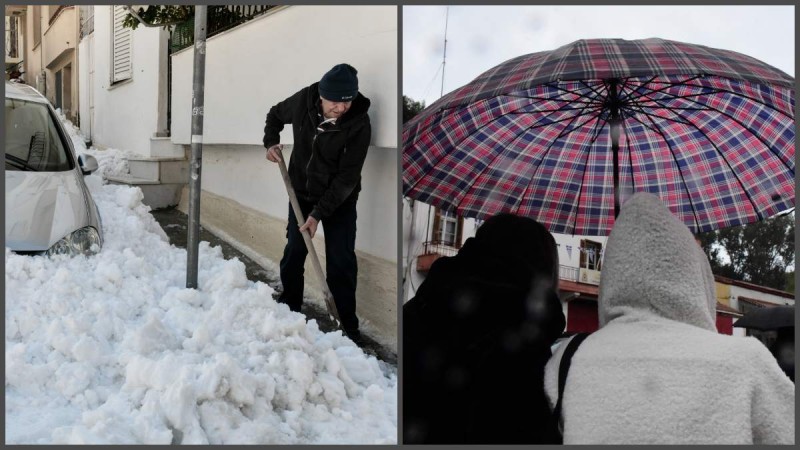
(476, 338)
(332, 132)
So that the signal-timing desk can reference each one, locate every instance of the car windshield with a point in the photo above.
(32, 140)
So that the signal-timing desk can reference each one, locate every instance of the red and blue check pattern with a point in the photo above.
(711, 132)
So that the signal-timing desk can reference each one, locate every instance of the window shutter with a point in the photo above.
(582, 252)
(437, 227)
(459, 231)
(121, 68)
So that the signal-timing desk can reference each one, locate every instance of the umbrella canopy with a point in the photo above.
(768, 318)
(566, 136)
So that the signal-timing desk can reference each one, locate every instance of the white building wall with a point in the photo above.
(33, 51)
(737, 291)
(85, 65)
(264, 61)
(257, 64)
(126, 114)
(414, 236)
(242, 173)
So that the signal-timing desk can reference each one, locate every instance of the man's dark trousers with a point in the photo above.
(341, 266)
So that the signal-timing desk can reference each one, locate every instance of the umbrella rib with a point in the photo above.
(647, 93)
(550, 110)
(579, 94)
(668, 85)
(591, 102)
(630, 157)
(746, 192)
(676, 108)
(505, 147)
(729, 116)
(673, 96)
(722, 155)
(658, 130)
(633, 89)
(597, 93)
(544, 155)
(632, 116)
(585, 165)
(649, 114)
(739, 94)
(713, 91)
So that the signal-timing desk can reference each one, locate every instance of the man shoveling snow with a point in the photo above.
(112, 349)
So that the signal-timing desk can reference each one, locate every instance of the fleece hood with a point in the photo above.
(654, 267)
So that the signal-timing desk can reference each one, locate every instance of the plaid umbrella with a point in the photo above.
(566, 136)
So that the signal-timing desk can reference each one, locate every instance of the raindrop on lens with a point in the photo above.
(465, 302)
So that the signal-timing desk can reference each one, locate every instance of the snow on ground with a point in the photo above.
(112, 349)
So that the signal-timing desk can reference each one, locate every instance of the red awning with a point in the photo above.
(586, 290)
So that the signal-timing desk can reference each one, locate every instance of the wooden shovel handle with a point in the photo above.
(329, 303)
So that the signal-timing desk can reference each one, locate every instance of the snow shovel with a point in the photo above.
(309, 244)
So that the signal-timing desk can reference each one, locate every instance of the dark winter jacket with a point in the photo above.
(476, 338)
(325, 167)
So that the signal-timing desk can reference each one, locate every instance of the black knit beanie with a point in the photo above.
(339, 84)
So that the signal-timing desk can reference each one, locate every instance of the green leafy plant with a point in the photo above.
(164, 15)
(411, 108)
(760, 252)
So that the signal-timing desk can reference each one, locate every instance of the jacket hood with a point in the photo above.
(654, 267)
(357, 110)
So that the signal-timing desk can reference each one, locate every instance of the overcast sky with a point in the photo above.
(480, 37)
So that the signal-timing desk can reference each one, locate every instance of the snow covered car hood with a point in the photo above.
(43, 207)
(654, 267)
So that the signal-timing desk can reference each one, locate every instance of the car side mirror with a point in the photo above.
(88, 164)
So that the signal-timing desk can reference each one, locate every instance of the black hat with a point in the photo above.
(339, 84)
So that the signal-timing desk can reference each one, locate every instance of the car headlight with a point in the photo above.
(85, 241)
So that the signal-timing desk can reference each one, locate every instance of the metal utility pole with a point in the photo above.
(198, 86)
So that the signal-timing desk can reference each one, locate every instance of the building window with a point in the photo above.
(87, 20)
(37, 25)
(590, 254)
(12, 37)
(121, 67)
(447, 228)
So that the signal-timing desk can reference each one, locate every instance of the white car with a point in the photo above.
(49, 209)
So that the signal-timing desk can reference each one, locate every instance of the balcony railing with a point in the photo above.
(439, 247)
(87, 20)
(220, 18)
(568, 273)
(431, 251)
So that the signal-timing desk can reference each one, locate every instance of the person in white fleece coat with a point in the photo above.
(657, 371)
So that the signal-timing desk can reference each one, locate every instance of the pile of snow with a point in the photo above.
(111, 161)
(113, 349)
